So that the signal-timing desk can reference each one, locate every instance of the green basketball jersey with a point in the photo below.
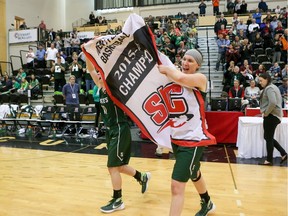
(110, 113)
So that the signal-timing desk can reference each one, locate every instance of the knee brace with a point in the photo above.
(198, 177)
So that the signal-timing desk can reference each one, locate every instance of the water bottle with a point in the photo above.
(29, 131)
(54, 133)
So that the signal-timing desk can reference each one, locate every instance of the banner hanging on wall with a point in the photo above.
(23, 36)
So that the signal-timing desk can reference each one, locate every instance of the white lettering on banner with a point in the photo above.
(134, 73)
(108, 49)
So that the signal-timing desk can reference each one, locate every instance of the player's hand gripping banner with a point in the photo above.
(128, 63)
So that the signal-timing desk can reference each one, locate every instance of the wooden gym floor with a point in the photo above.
(42, 177)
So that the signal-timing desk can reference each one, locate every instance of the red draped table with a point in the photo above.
(223, 125)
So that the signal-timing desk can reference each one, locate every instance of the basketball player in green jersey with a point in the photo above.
(118, 137)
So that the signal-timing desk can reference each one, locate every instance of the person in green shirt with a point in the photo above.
(24, 86)
(34, 85)
(58, 69)
(76, 68)
(118, 137)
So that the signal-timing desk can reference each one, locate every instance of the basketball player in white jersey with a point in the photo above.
(188, 141)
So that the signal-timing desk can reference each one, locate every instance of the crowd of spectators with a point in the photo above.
(241, 45)
(246, 50)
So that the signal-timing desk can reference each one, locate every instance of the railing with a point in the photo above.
(79, 22)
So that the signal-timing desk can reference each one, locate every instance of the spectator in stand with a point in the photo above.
(257, 16)
(51, 35)
(273, 23)
(191, 41)
(215, 4)
(227, 76)
(7, 83)
(284, 42)
(252, 94)
(284, 72)
(246, 70)
(109, 30)
(237, 43)
(232, 54)
(42, 25)
(231, 34)
(276, 49)
(58, 71)
(20, 75)
(58, 43)
(217, 26)
(34, 85)
(249, 20)
(221, 43)
(150, 22)
(202, 8)
(15, 85)
(30, 56)
(223, 20)
(243, 7)
(58, 55)
(263, 7)
(237, 8)
(40, 57)
(97, 19)
(275, 71)
(283, 90)
(246, 50)
(23, 26)
(118, 29)
(258, 42)
(241, 25)
(235, 20)
(253, 28)
(279, 29)
(236, 91)
(67, 44)
(71, 92)
(92, 18)
(24, 86)
(252, 91)
(230, 7)
(184, 26)
(277, 10)
(268, 16)
(75, 44)
(76, 68)
(170, 49)
(163, 22)
(261, 69)
(192, 19)
(50, 55)
(182, 49)
(88, 79)
(236, 75)
(223, 31)
(242, 35)
(267, 37)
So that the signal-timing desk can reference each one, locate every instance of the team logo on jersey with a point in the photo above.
(167, 107)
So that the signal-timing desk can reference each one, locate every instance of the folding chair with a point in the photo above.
(255, 65)
(27, 118)
(262, 58)
(259, 51)
(75, 124)
(87, 119)
(47, 116)
(82, 99)
(9, 121)
(269, 52)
